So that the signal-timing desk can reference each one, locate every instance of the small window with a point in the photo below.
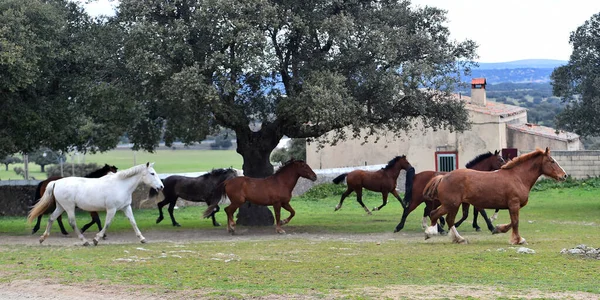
(446, 161)
(509, 153)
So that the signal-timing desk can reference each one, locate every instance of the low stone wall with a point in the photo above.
(16, 197)
(579, 164)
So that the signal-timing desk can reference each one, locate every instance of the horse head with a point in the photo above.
(551, 168)
(150, 177)
(304, 170)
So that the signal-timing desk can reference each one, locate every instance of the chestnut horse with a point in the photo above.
(414, 192)
(275, 190)
(507, 188)
(383, 181)
(41, 188)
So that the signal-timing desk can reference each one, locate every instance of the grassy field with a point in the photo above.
(166, 161)
(343, 254)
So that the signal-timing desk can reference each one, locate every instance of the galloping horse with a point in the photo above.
(41, 188)
(110, 193)
(383, 181)
(196, 189)
(414, 192)
(275, 190)
(507, 188)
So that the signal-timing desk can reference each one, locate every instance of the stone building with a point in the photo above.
(495, 126)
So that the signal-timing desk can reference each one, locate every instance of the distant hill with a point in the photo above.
(519, 71)
(524, 63)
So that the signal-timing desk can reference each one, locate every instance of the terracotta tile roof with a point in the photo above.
(544, 131)
(478, 81)
(492, 108)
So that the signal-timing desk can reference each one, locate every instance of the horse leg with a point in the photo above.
(289, 208)
(171, 208)
(359, 199)
(487, 220)
(110, 214)
(62, 227)
(385, 196)
(495, 215)
(129, 214)
(344, 195)
(229, 210)
(456, 238)
(516, 239)
(160, 206)
(73, 223)
(37, 224)
(465, 211)
(407, 210)
(57, 212)
(434, 216)
(475, 216)
(426, 213)
(404, 205)
(212, 215)
(277, 209)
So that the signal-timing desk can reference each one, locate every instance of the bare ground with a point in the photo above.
(48, 289)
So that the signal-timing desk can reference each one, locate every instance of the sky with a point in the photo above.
(505, 30)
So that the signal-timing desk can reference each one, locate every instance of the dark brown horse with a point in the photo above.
(507, 188)
(383, 181)
(414, 190)
(275, 190)
(195, 189)
(41, 188)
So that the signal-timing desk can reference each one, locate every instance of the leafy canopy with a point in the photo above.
(578, 82)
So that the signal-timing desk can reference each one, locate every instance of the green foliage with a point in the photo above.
(587, 184)
(578, 82)
(10, 159)
(45, 156)
(296, 150)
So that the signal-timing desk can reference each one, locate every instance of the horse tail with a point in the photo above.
(430, 192)
(215, 197)
(340, 178)
(37, 195)
(45, 202)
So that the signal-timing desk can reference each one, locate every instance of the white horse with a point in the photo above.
(111, 193)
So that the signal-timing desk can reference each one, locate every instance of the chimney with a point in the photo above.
(478, 92)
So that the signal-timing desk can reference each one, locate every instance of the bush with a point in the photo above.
(545, 184)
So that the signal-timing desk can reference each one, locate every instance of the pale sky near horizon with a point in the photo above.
(504, 30)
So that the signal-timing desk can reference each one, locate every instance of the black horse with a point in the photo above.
(41, 188)
(195, 189)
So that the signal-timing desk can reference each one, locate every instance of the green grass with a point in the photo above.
(166, 161)
(318, 266)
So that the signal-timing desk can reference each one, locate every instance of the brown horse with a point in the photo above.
(507, 188)
(383, 181)
(414, 190)
(41, 189)
(275, 190)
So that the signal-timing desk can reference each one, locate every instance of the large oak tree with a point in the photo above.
(578, 82)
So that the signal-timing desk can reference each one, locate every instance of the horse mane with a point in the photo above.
(286, 164)
(392, 162)
(522, 158)
(131, 171)
(478, 159)
(217, 172)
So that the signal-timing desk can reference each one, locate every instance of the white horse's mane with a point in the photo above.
(131, 171)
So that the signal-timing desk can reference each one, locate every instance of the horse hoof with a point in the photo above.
(427, 236)
(478, 229)
(95, 240)
(158, 220)
(177, 225)
(462, 241)
(143, 241)
(495, 231)
(375, 209)
(41, 240)
(216, 224)
(104, 237)
(280, 231)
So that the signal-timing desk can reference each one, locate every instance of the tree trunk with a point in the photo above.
(256, 148)
(43, 168)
